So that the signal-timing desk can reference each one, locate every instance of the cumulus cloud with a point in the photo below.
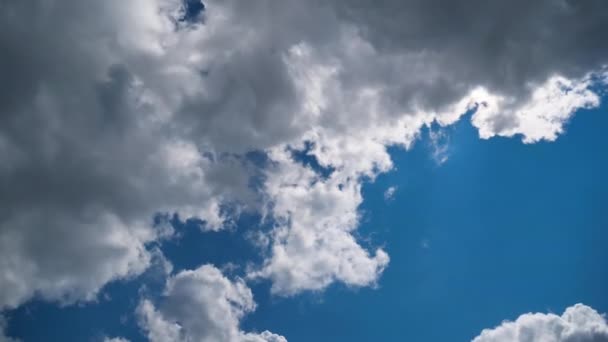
(542, 117)
(470, 43)
(113, 111)
(578, 323)
(88, 159)
(313, 245)
(201, 305)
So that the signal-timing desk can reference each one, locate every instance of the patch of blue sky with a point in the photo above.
(193, 10)
(304, 157)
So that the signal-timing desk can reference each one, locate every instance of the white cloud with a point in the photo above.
(389, 194)
(439, 142)
(201, 305)
(542, 117)
(115, 339)
(578, 323)
(313, 245)
(120, 111)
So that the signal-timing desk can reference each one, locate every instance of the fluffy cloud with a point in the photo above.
(313, 245)
(469, 43)
(542, 117)
(113, 111)
(578, 323)
(201, 305)
(88, 159)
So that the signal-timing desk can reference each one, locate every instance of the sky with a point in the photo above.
(285, 171)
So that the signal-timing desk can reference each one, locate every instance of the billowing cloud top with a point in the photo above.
(114, 111)
(578, 323)
(201, 305)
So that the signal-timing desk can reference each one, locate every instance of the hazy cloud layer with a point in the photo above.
(113, 111)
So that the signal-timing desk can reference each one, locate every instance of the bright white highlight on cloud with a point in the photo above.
(542, 117)
(578, 323)
(201, 305)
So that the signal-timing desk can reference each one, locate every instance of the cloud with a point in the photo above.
(115, 339)
(389, 194)
(578, 323)
(312, 244)
(201, 305)
(471, 43)
(121, 111)
(3, 325)
(542, 117)
(88, 160)
(439, 142)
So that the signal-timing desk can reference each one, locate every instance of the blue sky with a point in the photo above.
(501, 228)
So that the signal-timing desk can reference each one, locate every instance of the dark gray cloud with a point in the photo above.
(503, 46)
(86, 162)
